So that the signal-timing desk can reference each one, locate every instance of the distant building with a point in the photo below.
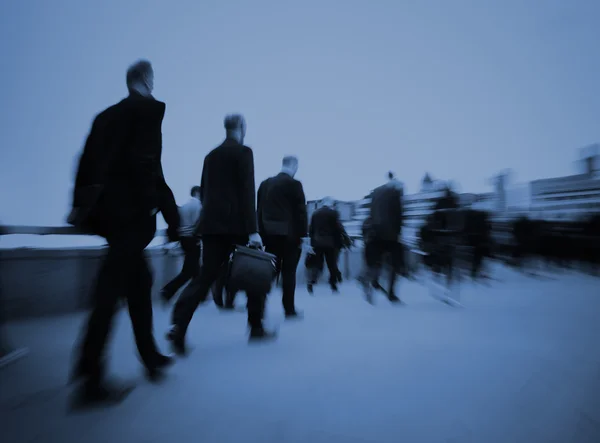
(569, 198)
(485, 202)
(467, 200)
(418, 206)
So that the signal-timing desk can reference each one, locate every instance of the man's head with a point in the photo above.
(394, 182)
(235, 127)
(140, 77)
(289, 165)
(195, 192)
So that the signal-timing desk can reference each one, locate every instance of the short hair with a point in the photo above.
(195, 190)
(289, 160)
(233, 122)
(138, 72)
(391, 175)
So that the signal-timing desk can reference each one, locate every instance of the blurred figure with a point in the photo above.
(478, 232)
(326, 233)
(283, 223)
(385, 236)
(119, 189)
(190, 243)
(346, 243)
(228, 218)
(365, 275)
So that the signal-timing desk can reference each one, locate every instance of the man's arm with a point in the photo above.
(202, 198)
(202, 188)
(168, 207)
(301, 213)
(247, 190)
(259, 207)
(145, 163)
(311, 227)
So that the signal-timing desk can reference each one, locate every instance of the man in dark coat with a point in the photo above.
(326, 237)
(283, 223)
(119, 189)
(228, 218)
(384, 239)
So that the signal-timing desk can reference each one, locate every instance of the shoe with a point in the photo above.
(261, 335)
(378, 287)
(164, 361)
(309, 288)
(89, 395)
(367, 289)
(177, 342)
(157, 373)
(394, 299)
(294, 315)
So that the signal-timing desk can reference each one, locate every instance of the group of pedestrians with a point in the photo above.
(119, 190)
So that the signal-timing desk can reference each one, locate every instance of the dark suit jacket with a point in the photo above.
(227, 191)
(120, 178)
(281, 207)
(326, 230)
(386, 213)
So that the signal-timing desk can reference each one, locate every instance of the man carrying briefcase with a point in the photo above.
(228, 219)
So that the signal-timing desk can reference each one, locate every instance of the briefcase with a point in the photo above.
(252, 270)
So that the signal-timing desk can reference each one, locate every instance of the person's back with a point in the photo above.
(324, 227)
(189, 215)
(228, 191)
(122, 160)
(282, 207)
(386, 213)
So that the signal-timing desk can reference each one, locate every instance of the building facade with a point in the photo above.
(570, 198)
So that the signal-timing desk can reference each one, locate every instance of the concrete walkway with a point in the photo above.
(520, 363)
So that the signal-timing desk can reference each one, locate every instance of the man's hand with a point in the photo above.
(255, 241)
(306, 246)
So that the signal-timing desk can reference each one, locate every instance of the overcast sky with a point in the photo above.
(458, 88)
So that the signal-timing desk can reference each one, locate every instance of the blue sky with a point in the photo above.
(458, 88)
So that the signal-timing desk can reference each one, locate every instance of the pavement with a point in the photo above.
(520, 362)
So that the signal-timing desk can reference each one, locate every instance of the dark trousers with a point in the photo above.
(377, 253)
(191, 266)
(124, 275)
(216, 250)
(338, 252)
(222, 294)
(288, 255)
(329, 256)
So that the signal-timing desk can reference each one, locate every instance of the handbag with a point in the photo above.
(251, 270)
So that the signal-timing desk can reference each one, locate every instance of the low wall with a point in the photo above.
(45, 282)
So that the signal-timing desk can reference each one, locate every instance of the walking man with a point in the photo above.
(190, 243)
(384, 239)
(282, 224)
(228, 218)
(119, 189)
(326, 237)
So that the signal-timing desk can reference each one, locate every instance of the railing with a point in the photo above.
(52, 230)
